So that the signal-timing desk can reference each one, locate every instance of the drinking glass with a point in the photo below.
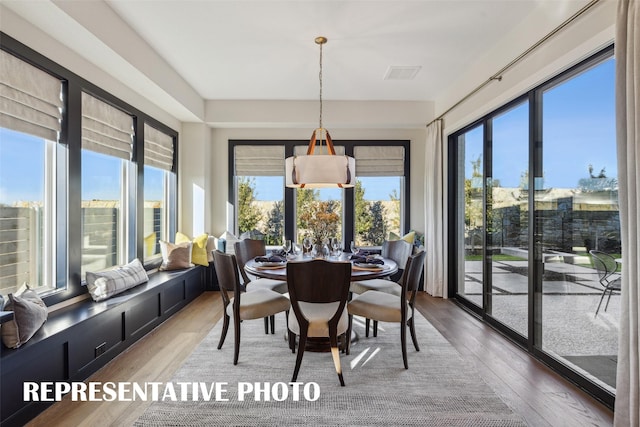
(325, 251)
(306, 244)
(354, 248)
(287, 247)
(335, 245)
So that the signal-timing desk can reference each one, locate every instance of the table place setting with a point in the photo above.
(364, 260)
(274, 261)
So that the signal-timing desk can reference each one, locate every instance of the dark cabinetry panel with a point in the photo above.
(94, 339)
(80, 339)
(30, 367)
(143, 316)
(172, 298)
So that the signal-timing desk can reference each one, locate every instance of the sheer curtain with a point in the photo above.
(627, 48)
(434, 221)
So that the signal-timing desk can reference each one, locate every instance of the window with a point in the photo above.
(259, 183)
(319, 212)
(107, 139)
(69, 187)
(30, 125)
(159, 185)
(535, 192)
(378, 193)
(264, 208)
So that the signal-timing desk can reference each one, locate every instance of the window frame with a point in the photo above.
(348, 219)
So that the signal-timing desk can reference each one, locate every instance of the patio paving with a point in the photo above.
(570, 329)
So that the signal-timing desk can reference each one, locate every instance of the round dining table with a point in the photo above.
(279, 271)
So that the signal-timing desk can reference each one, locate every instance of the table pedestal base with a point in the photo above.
(322, 344)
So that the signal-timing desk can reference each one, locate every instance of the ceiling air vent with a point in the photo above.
(396, 72)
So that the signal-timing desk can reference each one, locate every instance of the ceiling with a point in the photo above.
(265, 50)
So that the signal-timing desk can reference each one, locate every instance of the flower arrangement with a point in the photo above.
(320, 221)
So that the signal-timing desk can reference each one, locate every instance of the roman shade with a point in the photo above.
(259, 160)
(158, 148)
(301, 150)
(387, 160)
(106, 129)
(30, 99)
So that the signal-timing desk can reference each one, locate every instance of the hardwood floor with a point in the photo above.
(530, 388)
(539, 395)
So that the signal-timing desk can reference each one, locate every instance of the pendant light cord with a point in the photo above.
(320, 78)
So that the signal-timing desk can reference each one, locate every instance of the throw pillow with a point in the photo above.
(212, 244)
(199, 247)
(409, 237)
(150, 244)
(29, 314)
(105, 284)
(175, 256)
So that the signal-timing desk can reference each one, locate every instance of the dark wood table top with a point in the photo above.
(357, 273)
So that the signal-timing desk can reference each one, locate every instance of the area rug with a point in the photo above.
(439, 389)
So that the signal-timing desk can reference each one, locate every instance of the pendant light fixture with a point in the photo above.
(320, 170)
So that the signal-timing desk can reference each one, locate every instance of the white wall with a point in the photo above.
(194, 179)
(588, 34)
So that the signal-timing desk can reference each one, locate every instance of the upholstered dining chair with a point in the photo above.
(606, 266)
(318, 291)
(386, 307)
(256, 304)
(397, 250)
(245, 251)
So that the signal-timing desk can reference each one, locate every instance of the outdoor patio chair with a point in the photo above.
(606, 266)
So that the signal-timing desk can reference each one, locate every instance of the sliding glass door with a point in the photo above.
(534, 202)
(576, 210)
(507, 217)
(470, 215)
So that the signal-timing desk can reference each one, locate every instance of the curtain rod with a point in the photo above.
(498, 76)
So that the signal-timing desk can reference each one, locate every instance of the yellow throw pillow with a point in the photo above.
(150, 244)
(199, 247)
(410, 237)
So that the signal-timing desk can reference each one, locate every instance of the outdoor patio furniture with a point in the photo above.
(606, 266)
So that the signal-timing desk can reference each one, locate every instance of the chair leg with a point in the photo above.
(225, 328)
(600, 303)
(273, 323)
(333, 339)
(608, 299)
(266, 325)
(366, 327)
(403, 340)
(412, 329)
(236, 331)
(375, 328)
(292, 342)
(302, 342)
(348, 336)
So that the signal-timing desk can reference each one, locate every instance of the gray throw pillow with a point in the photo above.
(105, 284)
(29, 314)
